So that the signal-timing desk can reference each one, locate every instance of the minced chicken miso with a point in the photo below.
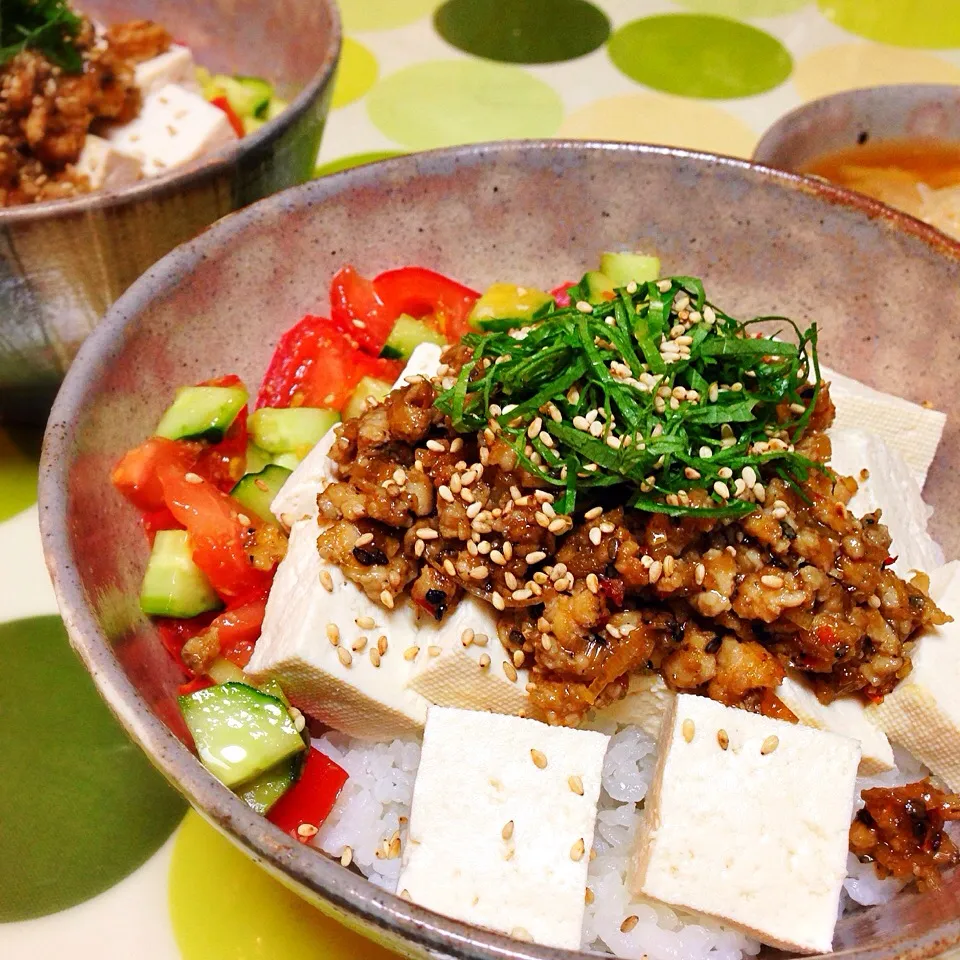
(920, 177)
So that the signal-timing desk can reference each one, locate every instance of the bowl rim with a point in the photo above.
(180, 180)
(352, 898)
(773, 135)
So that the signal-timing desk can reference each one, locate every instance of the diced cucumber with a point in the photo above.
(256, 491)
(290, 429)
(289, 461)
(407, 334)
(264, 791)
(366, 388)
(240, 732)
(223, 670)
(275, 107)
(621, 268)
(599, 285)
(251, 124)
(257, 458)
(248, 96)
(502, 301)
(273, 687)
(201, 413)
(173, 585)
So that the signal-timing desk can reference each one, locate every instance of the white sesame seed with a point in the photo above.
(595, 536)
(191, 477)
(510, 671)
(333, 633)
(584, 307)
(479, 572)
(411, 652)
(722, 489)
(688, 729)
(558, 525)
(346, 658)
(539, 758)
(593, 583)
(326, 581)
(307, 830)
(723, 739)
(484, 661)
(365, 623)
(774, 583)
(656, 568)
(386, 598)
(445, 492)
(577, 850)
(435, 446)
(770, 744)
(346, 857)
(535, 556)
(497, 600)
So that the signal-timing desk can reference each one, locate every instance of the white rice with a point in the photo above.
(380, 788)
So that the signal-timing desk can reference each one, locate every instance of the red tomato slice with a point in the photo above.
(311, 798)
(174, 633)
(238, 629)
(217, 535)
(137, 475)
(155, 520)
(357, 311)
(224, 104)
(420, 292)
(315, 365)
(560, 294)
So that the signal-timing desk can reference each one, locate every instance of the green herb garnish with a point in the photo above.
(48, 26)
(657, 390)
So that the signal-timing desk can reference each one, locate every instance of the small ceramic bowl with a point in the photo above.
(764, 241)
(856, 117)
(62, 263)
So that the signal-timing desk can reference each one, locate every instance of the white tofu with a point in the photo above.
(913, 431)
(363, 700)
(297, 498)
(105, 166)
(174, 127)
(476, 776)
(174, 66)
(846, 716)
(891, 488)
(757, 840)
(647, 700)
(923, 712)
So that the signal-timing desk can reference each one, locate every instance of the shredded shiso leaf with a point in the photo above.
(48, 26)
(685, 396)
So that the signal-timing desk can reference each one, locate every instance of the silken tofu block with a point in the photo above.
(923, 712)
(174, 66)
(175, 126)
(754, 834)
(846, 716)
(298, 497)
(313, 643)
(502, 824)
(106, 167)
(888, 485)
(911, 430)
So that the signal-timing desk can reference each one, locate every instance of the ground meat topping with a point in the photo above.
(901, 830)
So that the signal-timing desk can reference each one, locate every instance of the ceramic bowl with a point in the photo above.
(765, 242)
(856, 117)
(62, 263)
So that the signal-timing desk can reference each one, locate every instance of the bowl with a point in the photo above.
(62, 263)
(534, 211)
(855, 117)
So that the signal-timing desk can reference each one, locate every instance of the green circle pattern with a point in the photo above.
(693, 55)
(445, 102)
(82, 806)
(355, 160)
(744, 9)
(901, 23)
(534, 31)
(19, 455)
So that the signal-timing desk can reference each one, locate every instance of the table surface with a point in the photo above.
(99, 858)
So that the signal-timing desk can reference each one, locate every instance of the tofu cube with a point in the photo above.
(846, 716)
(350, 684)
(923, 712)
(175, 126)
(297, 498)
(174, 66)
(890, 486)
(754, 833)
(105, 166)
(911, 430)
(502, 824)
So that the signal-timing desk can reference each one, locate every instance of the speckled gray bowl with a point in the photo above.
(62, 263)
(883, 287)
(856, 117)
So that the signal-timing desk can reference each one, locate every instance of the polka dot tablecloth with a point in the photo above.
(99, 858)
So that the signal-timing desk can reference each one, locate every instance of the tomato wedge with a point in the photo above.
(421, 293)
(316, 365)
(220, 540)
(357, 311)
(238, 629)
(560, 294)
(137, 475)
(311, 798)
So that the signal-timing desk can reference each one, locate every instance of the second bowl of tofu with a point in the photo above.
(160, 167)
(499, 693)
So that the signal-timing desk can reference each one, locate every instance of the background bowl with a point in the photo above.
(62, 263)
(907, 111)
(533, 212)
